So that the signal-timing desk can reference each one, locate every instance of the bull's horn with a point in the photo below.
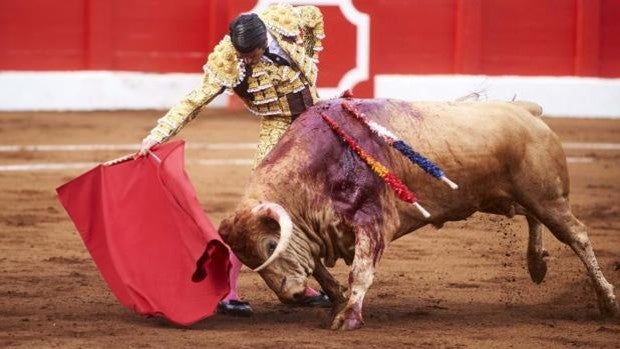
(279, 214)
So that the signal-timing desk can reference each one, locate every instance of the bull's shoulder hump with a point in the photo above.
(533, 108)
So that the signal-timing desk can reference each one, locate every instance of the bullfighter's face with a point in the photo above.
(253, 235)
(252, 57)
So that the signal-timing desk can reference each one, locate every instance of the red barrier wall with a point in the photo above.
(495, 37)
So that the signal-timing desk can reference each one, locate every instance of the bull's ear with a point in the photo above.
(269, 223)
(277, 214)
(225, 228)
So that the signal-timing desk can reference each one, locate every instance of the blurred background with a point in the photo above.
(146, 54)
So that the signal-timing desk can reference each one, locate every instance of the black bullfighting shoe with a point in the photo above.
(235, 308)
(319, 301)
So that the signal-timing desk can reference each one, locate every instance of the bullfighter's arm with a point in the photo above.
(186, 110)
(223, 70)
(313, 30)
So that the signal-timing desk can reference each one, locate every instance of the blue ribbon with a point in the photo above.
(415, 157)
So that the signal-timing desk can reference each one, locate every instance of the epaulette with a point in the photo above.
(283, 19)
(223, 66)
(311, 17)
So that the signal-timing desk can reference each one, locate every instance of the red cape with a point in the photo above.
(146, 231)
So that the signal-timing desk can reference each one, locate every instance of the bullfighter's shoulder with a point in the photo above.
(283, 19)
(223, 66)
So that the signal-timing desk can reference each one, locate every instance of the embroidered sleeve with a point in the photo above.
(186, 110)
(222, 71)
(312, 26)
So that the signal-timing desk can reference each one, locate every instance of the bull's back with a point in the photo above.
(463, 123)
(483, 146)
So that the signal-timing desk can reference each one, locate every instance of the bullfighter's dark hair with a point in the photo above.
(248, 33)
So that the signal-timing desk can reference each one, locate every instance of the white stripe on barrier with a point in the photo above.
(120, 147)
(37, 167)
(235, 162)
(46, 167)
(566, 96)
(579, 159)
(596, 146)
(8, 148)
(96, 90)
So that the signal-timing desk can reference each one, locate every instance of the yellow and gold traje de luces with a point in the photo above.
(298, 30)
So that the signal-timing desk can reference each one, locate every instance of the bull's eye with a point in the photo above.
(271, 247)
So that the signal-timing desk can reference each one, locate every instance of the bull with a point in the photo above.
(312, 200)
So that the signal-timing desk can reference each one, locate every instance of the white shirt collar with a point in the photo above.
(275, 48)
(270, 39)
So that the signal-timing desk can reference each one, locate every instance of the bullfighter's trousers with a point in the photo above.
(271, 130)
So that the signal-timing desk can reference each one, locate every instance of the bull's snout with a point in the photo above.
(291, 290)
(299, 296)
(293, 298)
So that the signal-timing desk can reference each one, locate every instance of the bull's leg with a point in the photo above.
(330, 285)
(536, 264)
(360, 279)
(557, 216)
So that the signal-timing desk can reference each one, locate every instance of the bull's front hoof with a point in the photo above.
(347, 320)
(608, 307)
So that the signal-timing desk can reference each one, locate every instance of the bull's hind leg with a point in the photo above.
(556, 215)
(536, 264)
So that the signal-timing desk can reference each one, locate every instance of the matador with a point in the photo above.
(270, 61)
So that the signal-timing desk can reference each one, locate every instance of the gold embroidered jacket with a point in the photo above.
(298, 31)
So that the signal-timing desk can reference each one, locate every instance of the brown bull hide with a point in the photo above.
(504, 159)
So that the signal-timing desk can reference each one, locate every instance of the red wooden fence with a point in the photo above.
(494, 37)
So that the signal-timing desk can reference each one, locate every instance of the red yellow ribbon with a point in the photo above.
(399, 188)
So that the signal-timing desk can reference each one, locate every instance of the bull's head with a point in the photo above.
(263, 238)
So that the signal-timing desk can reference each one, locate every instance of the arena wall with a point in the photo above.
(137, 54)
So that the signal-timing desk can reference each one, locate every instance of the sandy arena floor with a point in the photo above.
(464, 286)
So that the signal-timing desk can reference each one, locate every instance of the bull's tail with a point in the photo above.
(531, 107)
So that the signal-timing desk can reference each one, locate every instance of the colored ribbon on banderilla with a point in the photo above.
(396, 142)
(399, 188)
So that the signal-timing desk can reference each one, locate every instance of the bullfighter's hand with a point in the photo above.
(147, 144)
